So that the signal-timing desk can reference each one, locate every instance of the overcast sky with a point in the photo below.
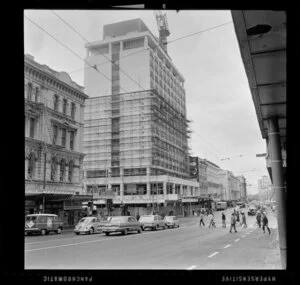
(218, 97)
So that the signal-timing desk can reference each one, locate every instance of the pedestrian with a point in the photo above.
(223, 220)
(258, 219)
(237, 216)
(137, 216)
(201, 219)
(244, 223)
(232, 223)
(264, 220)
(211, 220)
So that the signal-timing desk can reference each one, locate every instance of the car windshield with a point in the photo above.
(118, 219)
(169, 218)
(84, 221)
(146, 219)
(30, 218)
(105, 219)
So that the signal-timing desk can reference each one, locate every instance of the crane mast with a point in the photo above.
(163, 28)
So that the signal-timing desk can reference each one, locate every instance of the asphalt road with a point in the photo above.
(188, 247)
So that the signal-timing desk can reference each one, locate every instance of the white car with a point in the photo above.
(172, 221)
(88, 225)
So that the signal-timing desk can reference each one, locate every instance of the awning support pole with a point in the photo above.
(278, 183)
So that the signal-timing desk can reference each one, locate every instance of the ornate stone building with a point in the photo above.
(54, 107)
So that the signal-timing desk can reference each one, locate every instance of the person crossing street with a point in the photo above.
(244, 223)
(223, 220)
(211, 220)
(258, 219)
(201, 219)
(232, 223)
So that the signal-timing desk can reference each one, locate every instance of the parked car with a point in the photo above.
(88, 225)
(153, 222)
(172, 221)
(122, 224)
(104, 221)
(43, 224)
(252, 211)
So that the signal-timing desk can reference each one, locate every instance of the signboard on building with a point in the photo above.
(72, 205)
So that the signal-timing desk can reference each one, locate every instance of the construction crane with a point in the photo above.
(162, 25)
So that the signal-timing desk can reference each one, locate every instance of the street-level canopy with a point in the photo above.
(262, 40)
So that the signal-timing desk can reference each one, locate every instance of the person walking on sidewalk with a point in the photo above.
(232, 223)
(201, 219)
(258, 219)
(223, 220)
(264, 220)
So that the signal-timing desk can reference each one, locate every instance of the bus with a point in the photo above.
(221, 206)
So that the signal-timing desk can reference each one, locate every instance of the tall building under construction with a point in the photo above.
(136, 129)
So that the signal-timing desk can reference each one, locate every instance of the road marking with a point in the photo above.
(237, 240)
(228, 245)
(244, 236)
(191, 267)
(213, 254)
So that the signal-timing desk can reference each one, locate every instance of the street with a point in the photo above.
(188, 247)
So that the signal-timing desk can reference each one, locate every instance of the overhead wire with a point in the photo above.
(70, 50)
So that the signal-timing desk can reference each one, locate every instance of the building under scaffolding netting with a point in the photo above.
(136, 130)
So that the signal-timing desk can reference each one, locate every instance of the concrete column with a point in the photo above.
(148, 189)
(278, 184)
(26, 168)
(121, 46)
(181, 189)
(58, 173)
(66, 178)
(165, 188)
(122, 190)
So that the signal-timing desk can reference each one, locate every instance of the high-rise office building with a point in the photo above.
(136, 129)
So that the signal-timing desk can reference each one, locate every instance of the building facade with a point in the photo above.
(54, 110)
(230, 186)
(135, 121)
(243, 187)
(265, 191)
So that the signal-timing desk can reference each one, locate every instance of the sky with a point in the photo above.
(218, 98)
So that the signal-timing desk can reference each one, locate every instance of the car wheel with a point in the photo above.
(77, 233)
(91, 231)
(139, 230)
(125, 232)
(59, 231)
(142, 228)
(43, 232)
(107, 234)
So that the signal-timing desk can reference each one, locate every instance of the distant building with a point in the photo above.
(243, 187)
(231, 186)
(54, 107)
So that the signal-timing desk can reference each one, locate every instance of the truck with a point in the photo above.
(221, 206)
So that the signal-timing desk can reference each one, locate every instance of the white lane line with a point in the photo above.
(237, 240)
(213, 254)
(191, 267)
(228, 245)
